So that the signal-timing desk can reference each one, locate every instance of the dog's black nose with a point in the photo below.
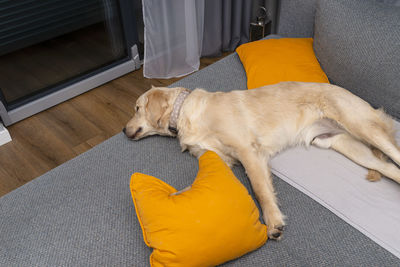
(124, 130)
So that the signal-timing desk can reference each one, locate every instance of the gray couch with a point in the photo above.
(81, 213)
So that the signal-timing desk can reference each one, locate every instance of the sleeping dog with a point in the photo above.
(252, 125)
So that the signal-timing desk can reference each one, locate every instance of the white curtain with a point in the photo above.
(173, 32)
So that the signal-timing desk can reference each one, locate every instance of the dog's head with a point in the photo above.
(152, 113)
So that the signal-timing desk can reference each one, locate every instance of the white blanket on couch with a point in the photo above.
(340, 185)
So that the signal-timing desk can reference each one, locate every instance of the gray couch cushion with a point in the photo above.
(358, 45)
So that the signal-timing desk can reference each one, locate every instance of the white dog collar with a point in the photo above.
(173, 119)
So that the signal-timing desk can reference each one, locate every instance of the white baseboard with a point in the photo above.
(4, 135)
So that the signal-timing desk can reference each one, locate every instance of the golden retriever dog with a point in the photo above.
(252, 125)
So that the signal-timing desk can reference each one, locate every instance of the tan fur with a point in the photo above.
(374, 175)
(252, 125)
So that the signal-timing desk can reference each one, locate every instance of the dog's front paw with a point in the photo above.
(275, 232)
(275, 226)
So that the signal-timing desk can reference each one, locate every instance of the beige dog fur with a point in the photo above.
(253, 125)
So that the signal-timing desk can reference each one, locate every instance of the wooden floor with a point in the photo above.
(54, 136)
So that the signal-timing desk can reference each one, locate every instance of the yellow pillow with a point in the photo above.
(213, 222)
(277, 60)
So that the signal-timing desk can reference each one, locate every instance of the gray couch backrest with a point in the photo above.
(295, 18)
(355, 42)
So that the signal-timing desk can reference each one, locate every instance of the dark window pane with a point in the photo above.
(46, 43)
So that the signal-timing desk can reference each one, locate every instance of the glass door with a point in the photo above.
(47, 46)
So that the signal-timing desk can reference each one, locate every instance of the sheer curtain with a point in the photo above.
(178, 32)
(173, 37)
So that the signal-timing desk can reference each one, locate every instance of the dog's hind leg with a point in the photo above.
(372, 126)
(358, 152)
(381, 138)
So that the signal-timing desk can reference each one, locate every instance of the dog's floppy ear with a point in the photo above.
(156, 107)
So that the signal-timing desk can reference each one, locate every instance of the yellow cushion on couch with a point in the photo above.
(213, 222)
(277, 60)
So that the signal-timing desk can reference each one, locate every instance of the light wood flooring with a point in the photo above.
(54, 136)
